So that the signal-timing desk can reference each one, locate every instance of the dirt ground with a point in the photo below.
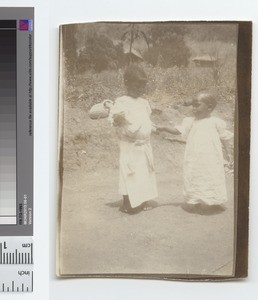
(97, 238)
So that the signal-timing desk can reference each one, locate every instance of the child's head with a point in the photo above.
(135, 80)
(203, 104)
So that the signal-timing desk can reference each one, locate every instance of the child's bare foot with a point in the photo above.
(126, 206)
(203, 209)
(123, 209)
(146, 206)
(129, 211)
(191, 208)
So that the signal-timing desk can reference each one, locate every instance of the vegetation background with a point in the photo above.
(95, 60)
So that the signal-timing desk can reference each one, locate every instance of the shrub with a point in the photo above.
(100, 54)
(168, 47)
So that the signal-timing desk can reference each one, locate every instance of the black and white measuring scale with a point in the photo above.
(16, 149)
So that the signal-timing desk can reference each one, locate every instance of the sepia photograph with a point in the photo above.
(147, 148)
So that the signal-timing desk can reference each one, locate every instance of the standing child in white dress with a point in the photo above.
(204, 175)
(130, 115)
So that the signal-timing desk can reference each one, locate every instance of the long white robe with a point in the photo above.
(137, 177)
(204, 175)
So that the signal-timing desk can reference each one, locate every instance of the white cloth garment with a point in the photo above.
(204, 176)
(137, 177)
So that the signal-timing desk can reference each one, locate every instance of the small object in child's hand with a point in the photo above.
(119, 119)
(108, 104)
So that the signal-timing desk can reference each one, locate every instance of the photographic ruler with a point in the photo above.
(16, 149)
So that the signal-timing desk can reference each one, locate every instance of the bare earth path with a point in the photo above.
(98, 238)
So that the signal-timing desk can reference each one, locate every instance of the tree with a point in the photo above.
(99, 54)
(168, 47)
(132, 34)
(214, 31)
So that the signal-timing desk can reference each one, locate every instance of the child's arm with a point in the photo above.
(225, 138)
(226, 145)
(169, 130)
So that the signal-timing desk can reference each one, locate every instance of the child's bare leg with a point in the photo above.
(126, 207)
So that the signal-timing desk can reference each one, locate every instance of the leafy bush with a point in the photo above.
(100, 54)
(168, 47)
(88, 88)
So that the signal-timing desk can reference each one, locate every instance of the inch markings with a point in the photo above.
(16, 280)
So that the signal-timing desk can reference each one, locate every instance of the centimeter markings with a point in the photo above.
(16, 264)
(16, 256)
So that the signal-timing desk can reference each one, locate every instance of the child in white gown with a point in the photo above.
(204, 175)
(130, 115)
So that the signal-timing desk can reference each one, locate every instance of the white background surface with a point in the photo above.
(49, 14)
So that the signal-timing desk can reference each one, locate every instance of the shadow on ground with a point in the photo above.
(193, 209)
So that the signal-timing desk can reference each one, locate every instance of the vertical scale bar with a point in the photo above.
(32, 281)
(25, 124)
(8, 106)
(16, 121)
(31, 253)
(16, 144)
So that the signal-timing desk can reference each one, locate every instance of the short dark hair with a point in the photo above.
(134, 73)
(207, 97)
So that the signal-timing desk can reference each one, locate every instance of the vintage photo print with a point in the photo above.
(148, 144)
